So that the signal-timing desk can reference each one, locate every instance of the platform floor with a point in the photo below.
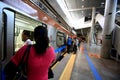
(86, 65)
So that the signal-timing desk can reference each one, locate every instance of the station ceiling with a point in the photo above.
(78, 10)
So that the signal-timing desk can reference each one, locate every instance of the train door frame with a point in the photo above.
(7, 21)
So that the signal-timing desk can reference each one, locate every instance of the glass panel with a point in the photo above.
(23, 23)
(60, 39)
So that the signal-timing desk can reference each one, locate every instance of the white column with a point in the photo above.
(92, 26)
(109, 21)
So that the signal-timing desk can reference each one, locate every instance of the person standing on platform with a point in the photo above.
(69, 43)
(75, 44)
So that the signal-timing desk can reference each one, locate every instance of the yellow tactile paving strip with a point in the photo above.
(55, 65)
(66, 74)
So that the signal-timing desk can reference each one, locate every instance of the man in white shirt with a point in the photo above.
(26, 37)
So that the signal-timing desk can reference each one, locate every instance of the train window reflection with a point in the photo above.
(23, 23)
(60, 39)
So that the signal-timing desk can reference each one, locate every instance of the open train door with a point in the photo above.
(7, 22)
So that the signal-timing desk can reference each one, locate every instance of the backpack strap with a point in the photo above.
(25, 57)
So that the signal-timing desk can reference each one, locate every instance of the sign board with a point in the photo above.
(108, 36)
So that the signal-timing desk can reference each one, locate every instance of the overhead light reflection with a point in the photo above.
(102, 3)
(63, 6)
(118, 11)
(82, 6)
(82, 11)
(77, 24)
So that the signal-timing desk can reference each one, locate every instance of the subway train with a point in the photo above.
(13, 22)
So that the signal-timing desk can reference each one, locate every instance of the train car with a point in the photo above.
(12, 23)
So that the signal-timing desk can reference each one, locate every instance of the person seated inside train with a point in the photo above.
(26, 37)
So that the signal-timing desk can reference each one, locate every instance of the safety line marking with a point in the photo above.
(57, 62)
(66, 74)
(55, 65)
(92, 67)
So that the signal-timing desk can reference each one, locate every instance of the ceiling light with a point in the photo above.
(102, 3)
(82, 6)
(77, 24)
(21, 21)
(82, 0)
(45, 18)
(63, 6)
(118, 11)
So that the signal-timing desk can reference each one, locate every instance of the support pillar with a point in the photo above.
(92, 26)
(109, 21)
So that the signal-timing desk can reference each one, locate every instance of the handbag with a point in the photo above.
(13, 72)
(50, 73)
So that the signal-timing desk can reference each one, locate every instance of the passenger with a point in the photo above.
(26, 37)
(40, 57)
(75, 43)
(69, 43)
(72, 45)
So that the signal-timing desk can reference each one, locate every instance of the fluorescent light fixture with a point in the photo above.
(118, 11)
(45, 18)
(77, 24)
(22, 21)
(82, 11)
(102, 3)
(63, 6)
(82, 6)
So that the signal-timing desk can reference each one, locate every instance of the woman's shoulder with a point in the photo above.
(50, 48)
(23, 48)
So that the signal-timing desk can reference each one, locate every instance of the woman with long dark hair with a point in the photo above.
(40, 57)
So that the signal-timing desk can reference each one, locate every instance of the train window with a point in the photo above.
(60, 39)
(23, 23)
(117, 19)
(18, 38)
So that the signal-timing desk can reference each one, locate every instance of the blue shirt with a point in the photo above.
(69, 41)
